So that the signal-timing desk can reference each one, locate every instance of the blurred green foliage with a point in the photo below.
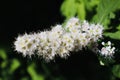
(13, 68)
(7, 66)
(116, 70)
(77, 8)
(35, 76)
(3, 55)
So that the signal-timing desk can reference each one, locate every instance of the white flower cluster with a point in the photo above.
(59, 40)
(107, 49)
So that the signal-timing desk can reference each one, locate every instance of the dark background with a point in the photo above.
(20, 16)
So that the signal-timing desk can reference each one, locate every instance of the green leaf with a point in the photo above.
(116, 70)
(3, 54)
(4, 64)
(81, 13)
(118, 28)
(104, 11)
(112, 15)
(15, 64)
(25, 78)
(34, 75)
(71, 8)
(89, 4)
(68, 8)
(114, 35)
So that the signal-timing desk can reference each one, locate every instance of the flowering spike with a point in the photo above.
(59, 41)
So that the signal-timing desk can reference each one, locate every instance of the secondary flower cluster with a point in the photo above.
(60, 40)
(107, 49)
